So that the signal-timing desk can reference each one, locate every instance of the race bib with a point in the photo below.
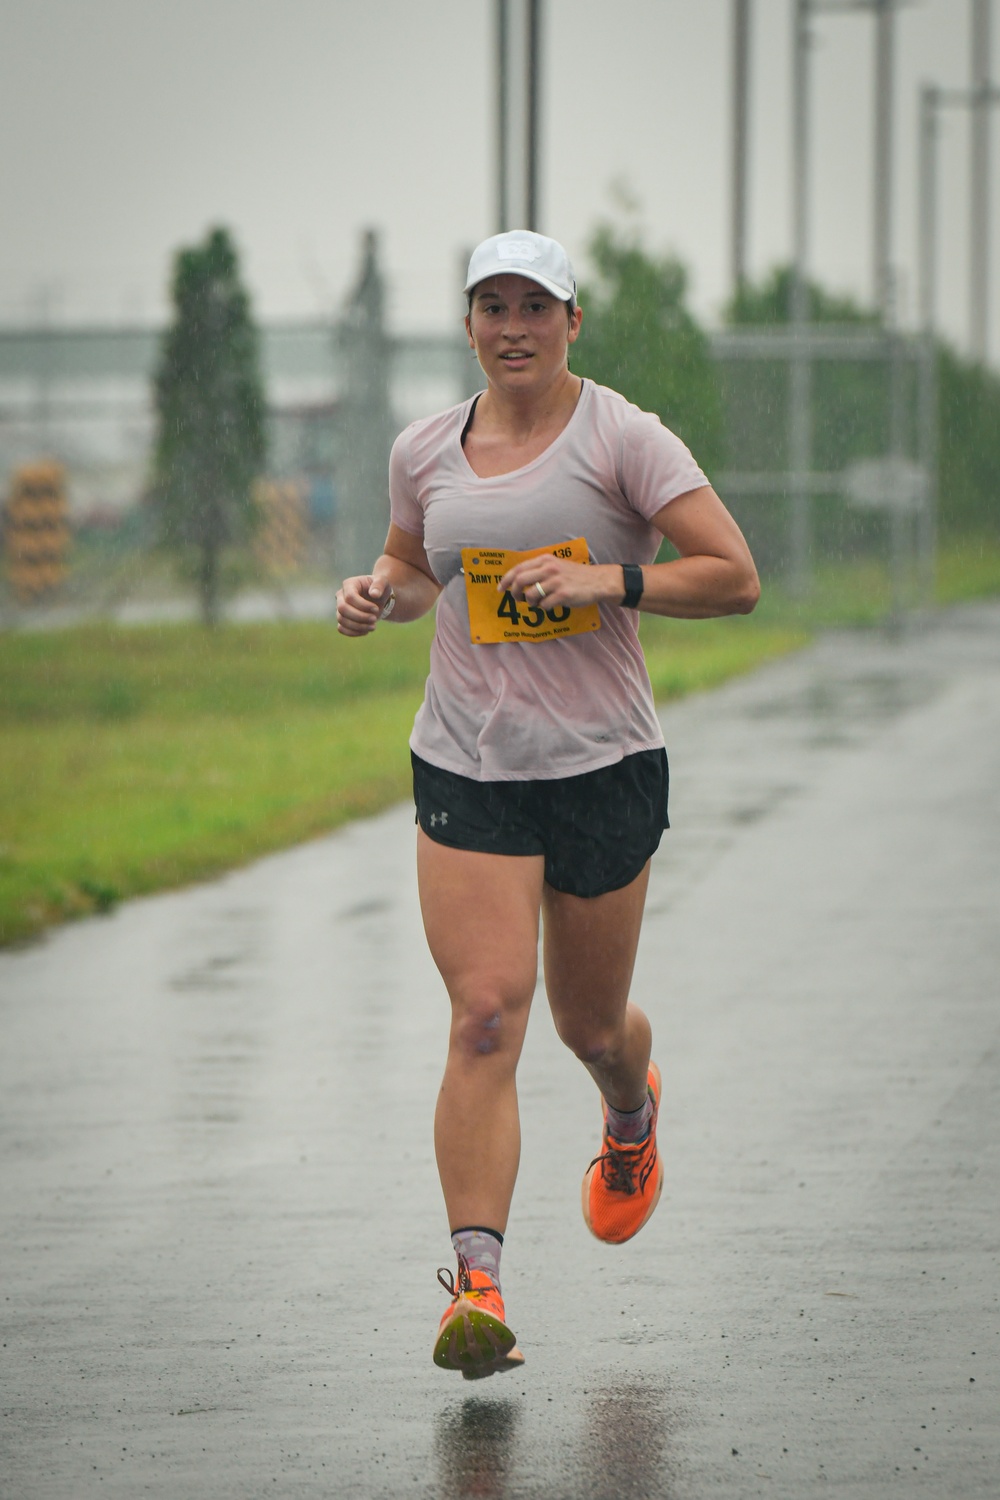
(495, 616)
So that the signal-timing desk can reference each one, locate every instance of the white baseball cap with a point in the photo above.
(522, 252)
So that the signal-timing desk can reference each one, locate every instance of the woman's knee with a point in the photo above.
(592, 1041)
(490, 1022)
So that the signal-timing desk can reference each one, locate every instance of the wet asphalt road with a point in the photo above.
(218, 1282)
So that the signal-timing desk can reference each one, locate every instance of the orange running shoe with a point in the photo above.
(473, 1336)
(622, 1186)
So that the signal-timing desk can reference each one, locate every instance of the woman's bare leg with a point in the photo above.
(480, 914)
(590, 948)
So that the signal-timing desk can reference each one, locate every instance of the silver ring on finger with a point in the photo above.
(540, 591)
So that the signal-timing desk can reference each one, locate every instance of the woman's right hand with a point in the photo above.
(360, 603)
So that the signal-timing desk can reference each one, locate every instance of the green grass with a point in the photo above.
(968, 569)
(133, 760)
(92, 812)
(689, 656)
(107, 674)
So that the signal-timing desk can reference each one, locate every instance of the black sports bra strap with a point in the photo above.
(468, 420)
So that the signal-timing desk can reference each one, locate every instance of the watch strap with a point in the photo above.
(634, 585)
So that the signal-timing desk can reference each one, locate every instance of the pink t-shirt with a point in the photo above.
(538, 710)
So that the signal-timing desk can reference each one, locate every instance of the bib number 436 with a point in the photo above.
(529, 614)
(496, 617)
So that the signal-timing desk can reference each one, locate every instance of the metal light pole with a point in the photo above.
(533, 65)
(800, 365)
(933, 100)
(800, 373)
(927, 398)
(882, 185)
(741, 140)
(927, 133)
(503, 114)
(979, 181)
(518, 112)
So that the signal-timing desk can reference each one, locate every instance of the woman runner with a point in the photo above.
(531, 516)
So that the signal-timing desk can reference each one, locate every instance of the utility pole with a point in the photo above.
(533, 112)
(927, 395)
(979, 181)
(518, 41)
(503, 114)
(883, 274)
(885, 15)
(741, 140)
(979, 101)
(800, 416)
(800, 365)
(927, 208)
(882, 182)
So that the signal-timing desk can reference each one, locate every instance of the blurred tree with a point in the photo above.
(770, 301)
(969, 446)
(639, 337)
(211, 442)
(366, 417)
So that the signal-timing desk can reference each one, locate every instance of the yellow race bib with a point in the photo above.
(496, 616)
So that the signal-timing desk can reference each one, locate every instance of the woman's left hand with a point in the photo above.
(549, 581)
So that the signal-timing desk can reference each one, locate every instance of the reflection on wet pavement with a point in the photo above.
(475, 1449)
(613, 1445)
(842, 710)
(626, 1443)
(214, 1066)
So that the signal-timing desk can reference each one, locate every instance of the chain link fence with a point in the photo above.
(831, 438)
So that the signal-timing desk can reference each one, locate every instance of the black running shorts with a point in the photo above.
(596, 830)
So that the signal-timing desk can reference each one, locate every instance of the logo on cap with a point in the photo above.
(516, 250)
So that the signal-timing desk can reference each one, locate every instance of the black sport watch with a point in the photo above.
(634, 585)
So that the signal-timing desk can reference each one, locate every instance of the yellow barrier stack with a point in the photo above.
(36, 534)
(282, 537)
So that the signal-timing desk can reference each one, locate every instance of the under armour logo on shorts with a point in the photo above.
(437, 818)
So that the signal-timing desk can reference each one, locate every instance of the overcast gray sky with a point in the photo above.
(129, 126)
